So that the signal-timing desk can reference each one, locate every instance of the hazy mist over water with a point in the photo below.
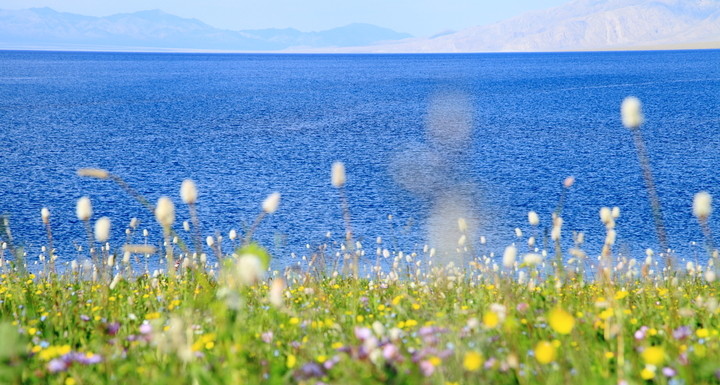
(243, 126)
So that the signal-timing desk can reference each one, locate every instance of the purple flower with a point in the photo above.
(362, 333)
(57, 365)
(640, 333)
(267, 337)
(82, 358)
(84, 318)
(145, 328)
(308, 371)
(390, 352)
(331, 362)
(112, 328)
(682, 333)
(490, 363)
(522, 307)
(427, 368)
(669, 372)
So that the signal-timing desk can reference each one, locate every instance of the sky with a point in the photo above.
(417, 17)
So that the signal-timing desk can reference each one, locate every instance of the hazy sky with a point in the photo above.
(418, 17)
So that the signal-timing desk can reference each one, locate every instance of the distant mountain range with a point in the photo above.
(46, 28)
(576, 25)
(585, 25)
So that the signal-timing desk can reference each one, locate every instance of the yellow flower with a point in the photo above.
(291, 361)
(545, 352)
(490, 319)
(654, 355)
(621, 294)
(472, 361)
(54, 351)
(70, 381)
(152, 316)
(702, 333)
(294, 321)
(435, 360)
(607, 313)
(647, 374)
(561, 321)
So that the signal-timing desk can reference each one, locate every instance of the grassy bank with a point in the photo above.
(198, 329)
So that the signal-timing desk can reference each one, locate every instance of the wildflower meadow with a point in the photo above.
(189, 310)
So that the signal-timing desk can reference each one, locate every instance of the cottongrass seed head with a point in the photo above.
(188, 192)
(165, 212)
(631, 112)
(84, 209)
(338, 174)
(271, 203)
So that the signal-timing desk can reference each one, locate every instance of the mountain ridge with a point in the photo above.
(583, 25)
(578, 25)
(49, 28)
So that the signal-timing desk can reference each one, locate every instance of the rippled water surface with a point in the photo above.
(243, 126)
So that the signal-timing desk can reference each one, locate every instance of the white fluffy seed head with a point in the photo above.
(631, 112)
(45, 215)
(532, 259)
(84, 209)
(210, 241)
(606, 215)
(710, 276)
(338, 174)
(271, 203)
(702, 205)
(93, 173)
(232, 235)
(509, 256)
(250, 269)
(165, 212)
(462, 225)
(188, 192)
(116, 279)
(102, 229)
(533, 218)
(275, 294)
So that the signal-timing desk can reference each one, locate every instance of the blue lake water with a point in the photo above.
(243, 126)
